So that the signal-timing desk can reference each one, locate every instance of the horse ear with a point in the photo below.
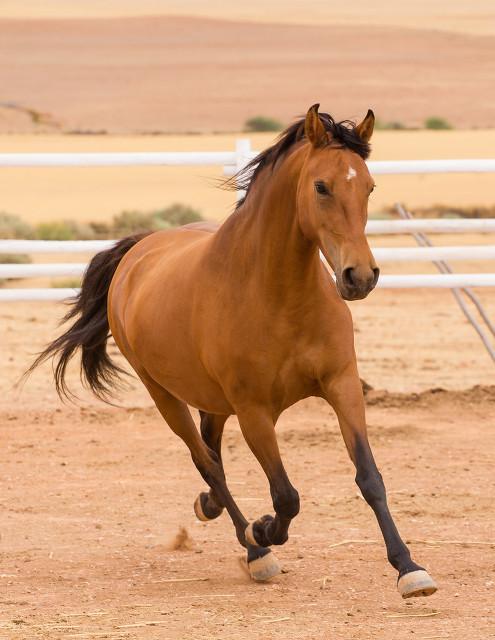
(314, 129)
(365, 128)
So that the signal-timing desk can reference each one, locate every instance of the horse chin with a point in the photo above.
(353, 293)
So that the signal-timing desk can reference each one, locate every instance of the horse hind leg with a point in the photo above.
(261, 562)
(207, 505)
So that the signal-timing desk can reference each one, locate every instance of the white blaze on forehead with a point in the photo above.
(351, 173)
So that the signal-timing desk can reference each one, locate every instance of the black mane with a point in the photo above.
(341, 135)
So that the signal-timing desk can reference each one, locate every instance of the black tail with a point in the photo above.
(90, 330)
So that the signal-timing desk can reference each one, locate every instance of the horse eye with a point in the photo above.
(321, 188)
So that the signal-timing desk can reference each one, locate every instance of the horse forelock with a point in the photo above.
(341, 135)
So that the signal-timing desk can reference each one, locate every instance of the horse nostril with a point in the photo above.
(348, 277)
(376, 275)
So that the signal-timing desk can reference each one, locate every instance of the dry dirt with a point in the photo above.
(93, 496)
(463, 16)
(175, 74)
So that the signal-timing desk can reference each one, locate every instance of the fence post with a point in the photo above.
(242, 157)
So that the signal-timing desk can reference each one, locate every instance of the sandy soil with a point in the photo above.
(92, 497)
(464, 16)
(99, 193)
(194, 74)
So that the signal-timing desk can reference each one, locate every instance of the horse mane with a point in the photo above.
(342, 135)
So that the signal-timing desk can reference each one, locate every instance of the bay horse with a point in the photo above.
(245, 319)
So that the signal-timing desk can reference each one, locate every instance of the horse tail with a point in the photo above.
(90, 330)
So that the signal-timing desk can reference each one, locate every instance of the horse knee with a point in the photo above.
(286, 501)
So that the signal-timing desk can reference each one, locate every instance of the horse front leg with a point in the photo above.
(345, 394)
(258, 429)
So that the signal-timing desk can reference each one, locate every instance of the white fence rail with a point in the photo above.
(54, 246)
(231, 161)
(433, 281)
(119, 159)
(382, 255)
(374, 227)
(26, 295)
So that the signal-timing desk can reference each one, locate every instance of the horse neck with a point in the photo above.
(263, 237)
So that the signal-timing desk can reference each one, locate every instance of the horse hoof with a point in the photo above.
(264, 568)
(416, 583)
(203, 511)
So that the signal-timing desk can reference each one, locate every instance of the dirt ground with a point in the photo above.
(93, 496)
(190, 74)
(462, 16)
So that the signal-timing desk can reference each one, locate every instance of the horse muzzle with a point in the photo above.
(355, 283)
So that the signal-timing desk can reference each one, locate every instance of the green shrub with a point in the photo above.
(130, 222)
(14, 258)
(393, 125)
(127, 223)
(262, 123)
(123, 224)
(64, 230)
(437, 123)
(178, 214)
(100, 230)
(14, 227)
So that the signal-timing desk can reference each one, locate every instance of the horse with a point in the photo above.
(244, 319)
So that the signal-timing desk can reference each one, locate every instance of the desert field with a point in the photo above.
(190, 74)
(89, 194)
(93, 498)
(464, 16)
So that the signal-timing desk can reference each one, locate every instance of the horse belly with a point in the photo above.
(178, 369)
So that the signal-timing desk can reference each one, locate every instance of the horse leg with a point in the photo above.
(208, 506)
(345, 394)
(262, 565)
(259, 432)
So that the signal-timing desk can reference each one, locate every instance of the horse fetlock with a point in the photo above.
(257, 532)
(206, 508)
(286, 503)
(400, 559)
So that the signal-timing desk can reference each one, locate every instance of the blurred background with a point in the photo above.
(192, 75)
(161, 75)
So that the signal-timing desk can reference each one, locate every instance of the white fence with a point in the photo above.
(231, 162)
(433, 281)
